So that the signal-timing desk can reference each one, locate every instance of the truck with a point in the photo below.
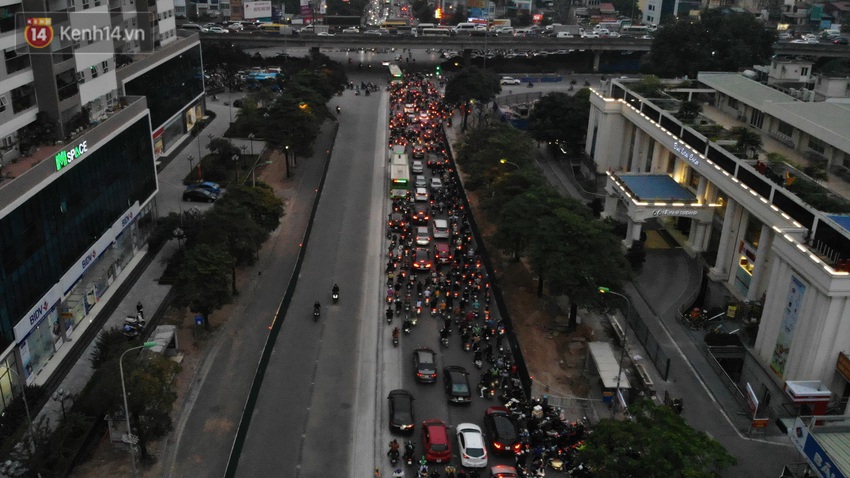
(499, 22)
(574, 30)
(313, 29)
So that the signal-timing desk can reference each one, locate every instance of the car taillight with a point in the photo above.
(498, 445)
(516, 447)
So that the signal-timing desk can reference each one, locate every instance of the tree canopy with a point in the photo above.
(719, 41)
(559, 118)
(480, 153)
(653, 442)
(472, 84)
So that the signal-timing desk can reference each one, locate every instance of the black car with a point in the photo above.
(401, 411)
(210, 186)
(425, 365)
(199, 195)
(457, 384)
(841, 41)
(396, 222)
(422, 259)
(501, 430)
(420, 214)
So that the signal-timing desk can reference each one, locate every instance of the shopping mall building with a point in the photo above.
(83, 121)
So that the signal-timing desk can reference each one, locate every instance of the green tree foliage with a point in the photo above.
(720, 41)
(237, 233)
(747, 141)
(203, 282)
(480, 151)
(648, 86)
(290, 122)
(689, 110)
(472, 84)
(225, 56)
(109, 344)
(515, 224)
(559, 118)
(264, 208)
(423, 11)
(654, 442)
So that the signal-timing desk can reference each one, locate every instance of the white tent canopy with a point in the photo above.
(607, 365)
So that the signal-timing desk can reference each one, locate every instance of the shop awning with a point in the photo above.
(607, 365)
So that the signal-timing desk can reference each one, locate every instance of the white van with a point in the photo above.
(466, 28)
(193, 26)
(441, 229)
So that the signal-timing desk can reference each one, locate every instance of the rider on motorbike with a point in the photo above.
(317, 307)
(335, 289)
(395, 337)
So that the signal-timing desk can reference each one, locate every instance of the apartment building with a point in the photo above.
(97, 91)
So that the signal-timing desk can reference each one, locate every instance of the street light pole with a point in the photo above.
(286, 156)
(605, 290)
(145, 345)
(505, 161)
(191, 168)
(26, 406)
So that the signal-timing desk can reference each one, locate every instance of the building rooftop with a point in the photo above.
(830, 122)
(743, 89)
(656, 187)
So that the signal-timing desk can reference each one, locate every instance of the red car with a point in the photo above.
(435, 437)
(444, 253)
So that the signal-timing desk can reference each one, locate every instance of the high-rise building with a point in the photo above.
(92, 92)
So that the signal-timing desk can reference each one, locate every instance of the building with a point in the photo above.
(85, 109)
(758, 236)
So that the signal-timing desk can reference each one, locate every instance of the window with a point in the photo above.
(104, 65)
(816, 145)
(93, 71)
(81, 76)
(756, 118)
(804, 71)
(85, 4)
(3, 103)
(785, 128)
(732, 102)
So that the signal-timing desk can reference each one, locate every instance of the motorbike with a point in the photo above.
(409, 449)
(335, 294)
(407, 326)
(132, 331)
(316, 311)
(478, 364)
(394, 457)
(338, 110)
(395, 337)
(530, 84)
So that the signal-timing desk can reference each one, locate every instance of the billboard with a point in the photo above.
(261, 9)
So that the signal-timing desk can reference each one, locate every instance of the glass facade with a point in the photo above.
(42, 238)
(170, 86)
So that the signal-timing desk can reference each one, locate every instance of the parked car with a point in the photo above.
(470, 441)
(456, 380)
(199, 195)
(501, 430)
(208, 185)
(425, 365)
(435, 441)
(401, 411)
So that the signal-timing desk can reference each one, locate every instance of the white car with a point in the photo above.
(423, 238)
(436, 183)
(473, 451)
(564, 35)
(420, 181)
(590, 35)
(417, 167)
(441, 229)
(351, 30)
(325, 34)
(507, 80)
(421, 194)
(217, 30)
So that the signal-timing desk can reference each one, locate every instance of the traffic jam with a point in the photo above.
(434, 272)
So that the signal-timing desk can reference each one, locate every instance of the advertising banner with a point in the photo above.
(257, 10)
(796, 292)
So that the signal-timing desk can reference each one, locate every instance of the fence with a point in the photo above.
(654, 351)
(574, 408)
(711, 354)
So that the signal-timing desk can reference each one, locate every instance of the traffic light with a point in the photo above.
(439, 70)
(438, 13)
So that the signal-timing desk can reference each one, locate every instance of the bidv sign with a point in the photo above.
(64, 158)
(89, 259)
(126, 219)
(38, 313)
(682, 150)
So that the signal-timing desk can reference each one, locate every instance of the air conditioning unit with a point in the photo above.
(808, 95)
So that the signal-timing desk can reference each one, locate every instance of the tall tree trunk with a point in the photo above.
(573, 314)
(233, 279)
(539, 285)
(465, 115)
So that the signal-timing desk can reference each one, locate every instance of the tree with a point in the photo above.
(471, 84)
(203, 280)
(719, 41)
(480, 151)
(654, 442)
(264, 208)
(291, 122)
(237, 232)
(648, 86)
(689, 110)
(559, 118)
(747, 141)
(515, 225)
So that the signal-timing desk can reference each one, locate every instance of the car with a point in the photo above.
(503, 471)
(420, 194)
(351, 30)
(472, 450)
(420, 181)
(841, 41)
(217, 30)
(374, 32)
(443, 253)
(425, 365)
(325, 34)
(396, 222)
(435, 441)
(417, 167)
(422, 258)
(441, 229)
(501, 430)
(785, 36)
(199, 195)
(423, 236)
(436, 163)
(507, 80)
(208, 185)
(385, 63)
(401, 411)
(436, 183)
(418, 151)
(564, 35)
(456, 380)
(420, 214)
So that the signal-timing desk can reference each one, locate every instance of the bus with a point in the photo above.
(396, 76)
(393, 24)
(399, 181)
(436, 32)
(400, 160)
(635, 30)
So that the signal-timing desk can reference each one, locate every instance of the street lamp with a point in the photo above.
(190, 158)
(251, 139)
(179, 235)
(235, 159)
(286, 157)
(505, 161)
(605, 290)
(26, 405)
(130, 437)
(60, 396)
